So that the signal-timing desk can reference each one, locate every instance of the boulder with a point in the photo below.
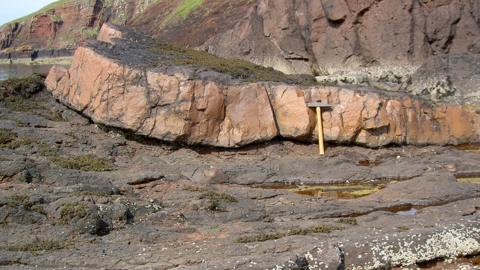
(123, 85)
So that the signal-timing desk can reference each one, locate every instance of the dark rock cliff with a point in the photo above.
(298, 36)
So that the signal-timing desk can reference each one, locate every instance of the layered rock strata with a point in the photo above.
(119, 82)
(291, 36)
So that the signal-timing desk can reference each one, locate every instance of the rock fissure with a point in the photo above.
(210, 111)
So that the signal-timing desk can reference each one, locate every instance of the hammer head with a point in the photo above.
(318, 104)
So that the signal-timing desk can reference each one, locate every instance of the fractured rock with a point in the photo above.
(123, 85)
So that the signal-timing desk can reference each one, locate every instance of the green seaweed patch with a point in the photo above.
(262, 237)
(348, 221)
(88, 163)
(24, 201)
(70, 211)
(237, 68)
(469, 180)
(11, 140)
(24, 87)
(19, 94)
(6, 137)
(215, 200)
(38, 246)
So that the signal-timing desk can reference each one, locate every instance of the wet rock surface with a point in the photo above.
(81, 196)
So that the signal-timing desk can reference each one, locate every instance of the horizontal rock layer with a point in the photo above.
(174, 104)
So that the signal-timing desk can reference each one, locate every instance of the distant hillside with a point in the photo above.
(301, 36)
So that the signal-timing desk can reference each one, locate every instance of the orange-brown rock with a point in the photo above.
(123, 86)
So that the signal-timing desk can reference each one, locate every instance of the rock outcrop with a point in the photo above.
(125, 83)
(291, 36)
(449, 78)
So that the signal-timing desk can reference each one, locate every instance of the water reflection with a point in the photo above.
(19, 70)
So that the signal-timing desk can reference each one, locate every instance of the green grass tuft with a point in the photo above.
(182, 11)
(89, 163)
(71, 211)
(348, 221)
(11, 140)
(262, 237)
(215, 200)
(38, 245)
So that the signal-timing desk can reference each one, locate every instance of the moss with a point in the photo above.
(348, 221)
(84, 163)
(37, 246)
(71, 211)
(182, 11)
(194, 189)
(20, 201)
(39, 209)
(403, 228)
(56, 18)
(469, 180)
(262, 237)
(17, 142)
(90, 33)
(24, 87)
(215, 200)
(313, 229)
(92, 193)
(237, 68)
(18, 94)
(6, 137)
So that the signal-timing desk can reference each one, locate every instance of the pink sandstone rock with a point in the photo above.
(174, 106)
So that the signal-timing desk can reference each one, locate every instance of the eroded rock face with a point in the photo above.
(173, 103)
(449, 78)
(291, 36)
(342, 34)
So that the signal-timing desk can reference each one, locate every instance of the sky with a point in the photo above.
(13, 9)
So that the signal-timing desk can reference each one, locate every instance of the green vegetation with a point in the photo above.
(469, 180)
(21, 87)
(89, 163)
(71, 211)
(10, 140)
(262, 237)
(37, 246)
(43, 10)
(182, 11)
(215, 200)
(24, 201)
(56, 18)
(90, 33)
(6, 137)
(18, 94)
(348, 221)
(19, 200)
(237, 68)
(194, 189)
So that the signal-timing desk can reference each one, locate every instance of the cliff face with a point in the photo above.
(123, 81)
(292, 36)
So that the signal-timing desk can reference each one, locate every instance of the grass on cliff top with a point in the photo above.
(237, 68)
(182, 11)
(39, 12)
